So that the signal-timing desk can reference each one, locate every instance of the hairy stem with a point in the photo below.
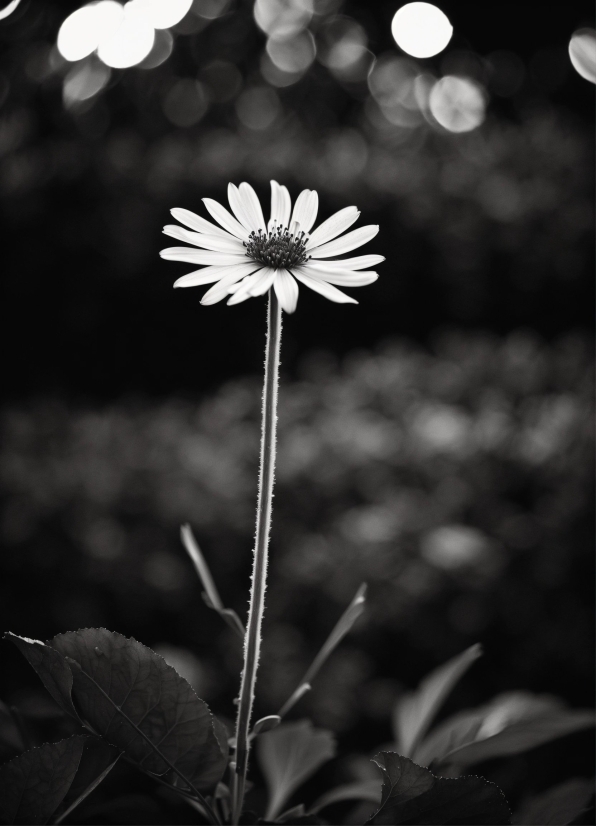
(252, 640)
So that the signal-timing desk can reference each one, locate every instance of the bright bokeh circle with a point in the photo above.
(457, 104)
(131, 42)
(421, 29)
(162, 14)
(582, 53)
(84, 29)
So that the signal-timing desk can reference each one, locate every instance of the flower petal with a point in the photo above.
(343, 279)
(235, 200)
(220, 290)
(361, 262)
(244, 291)
(281, 206)
(286, 290)
(266, 281)
(252, 207)
(333, 227)
(305, 209)
(190, 219)
(192, 256)
(223, 217)
(322, 287)
(218, 243)
(207, 275)
(348, 242)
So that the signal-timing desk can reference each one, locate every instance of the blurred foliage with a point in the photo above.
(455, 482)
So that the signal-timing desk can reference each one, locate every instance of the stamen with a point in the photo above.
(278, 248)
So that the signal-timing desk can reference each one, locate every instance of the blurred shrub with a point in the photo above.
(456, 482)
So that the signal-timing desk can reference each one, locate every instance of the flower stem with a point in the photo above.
(252, 640)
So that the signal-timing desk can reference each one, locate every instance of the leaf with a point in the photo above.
(288, 756)
(558, 806)
(129, 695)
(51, 668)
(414, 713)
(34, 784)
(362, 790)
(141, 705)
(512, 723)
(266, 724)
(97, 761)
(339, 631)
(211, 595)
(412, 795)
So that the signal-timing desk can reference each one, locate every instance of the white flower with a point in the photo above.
(244, 256)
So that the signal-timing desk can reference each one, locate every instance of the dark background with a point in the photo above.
(457, 396)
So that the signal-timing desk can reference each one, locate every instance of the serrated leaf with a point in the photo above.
(512, 723)
(361, 790)
(414, 712)
(141, 705)
(413, 795)
(288, 756)
(51, 668)
(558, 806)
(35, 783)
(97, 761)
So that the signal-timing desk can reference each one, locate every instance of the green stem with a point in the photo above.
(252, 640)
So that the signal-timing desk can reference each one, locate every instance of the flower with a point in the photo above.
(244, 257)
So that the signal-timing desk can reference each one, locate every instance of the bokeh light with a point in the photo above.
(131, 42)
(283, 18)
(344, 49)
(84, 81)
(582, 52)
(421, 29)
(8, 10)
(162, 14)
(258, 108)
(293, 55)
(162, 48)
(457, 104)
(84, 29)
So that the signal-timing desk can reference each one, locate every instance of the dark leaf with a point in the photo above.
(141, 705)
(412, 795)
(415, 712)
(288, 756)
(35, 783)
(97, 761)
(558, 806)
(51, 669)
(11, 736)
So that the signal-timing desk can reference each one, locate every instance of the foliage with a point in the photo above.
(138, 708)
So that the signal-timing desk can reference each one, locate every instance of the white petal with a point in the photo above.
(205, 276)
(348, 242)
(235, 200)
(264, 284)
(281, 206)
(189, 219)
(343, 279)
(252, 207)
(286, 290)
(333, 227)
(305, 209)
(322, 287)
(361, 262)
(220, 290)
(201, 256)
(223, 217)
(244, 291)
(218, 243)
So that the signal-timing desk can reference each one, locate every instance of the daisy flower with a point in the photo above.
(242, 256)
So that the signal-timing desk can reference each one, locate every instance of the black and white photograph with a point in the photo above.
(297, 423)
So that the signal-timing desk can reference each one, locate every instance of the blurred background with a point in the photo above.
(436, 441)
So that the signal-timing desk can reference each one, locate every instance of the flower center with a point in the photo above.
(278, 248)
